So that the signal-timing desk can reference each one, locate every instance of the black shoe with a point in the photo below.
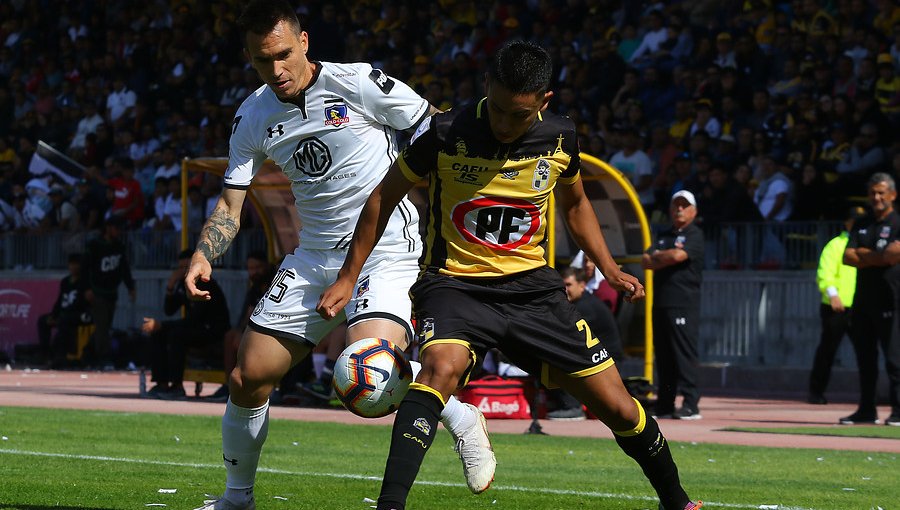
(174, 393)
(860, 418)
(687, 414)
(317, 389)
(568, 414)
(157, 391)
(893, 420)
(816, 399)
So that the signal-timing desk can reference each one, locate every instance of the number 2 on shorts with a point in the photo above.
(589, 338)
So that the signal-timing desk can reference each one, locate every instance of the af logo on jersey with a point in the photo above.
(500, 223)
(541, 175)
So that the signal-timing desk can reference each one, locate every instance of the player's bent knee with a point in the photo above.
(248, 391)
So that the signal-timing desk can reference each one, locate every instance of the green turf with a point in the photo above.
(878, 431)
(92, 459)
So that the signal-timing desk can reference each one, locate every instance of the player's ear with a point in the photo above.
(546, 100)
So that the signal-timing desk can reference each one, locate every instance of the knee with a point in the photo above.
(440, 374)
(248, 388)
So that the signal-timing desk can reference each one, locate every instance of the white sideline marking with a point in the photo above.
(346, 476)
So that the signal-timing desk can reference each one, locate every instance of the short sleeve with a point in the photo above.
(244, 159)
(571, 173)
(420, 157)
(390, 101)
(693, 244)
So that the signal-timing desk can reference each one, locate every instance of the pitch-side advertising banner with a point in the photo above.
(21, 303)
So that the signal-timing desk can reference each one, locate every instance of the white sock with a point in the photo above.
(243, 434)
(455, 416)
(318, 360)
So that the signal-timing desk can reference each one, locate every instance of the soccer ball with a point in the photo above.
(371, 377)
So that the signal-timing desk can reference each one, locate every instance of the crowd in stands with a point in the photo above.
(766, 110)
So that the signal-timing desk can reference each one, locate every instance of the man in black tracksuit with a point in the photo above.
(69, 312)
(677, 261)
(872, 317)
(106, 267)
(203, 326)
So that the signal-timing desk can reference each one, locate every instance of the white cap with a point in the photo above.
(687, 195)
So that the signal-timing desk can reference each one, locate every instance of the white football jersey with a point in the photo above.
(335, 146)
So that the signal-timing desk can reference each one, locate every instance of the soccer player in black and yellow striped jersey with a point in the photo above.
(485, 283)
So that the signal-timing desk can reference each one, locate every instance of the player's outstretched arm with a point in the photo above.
(215, 238)
(369, 228)
(585, 229)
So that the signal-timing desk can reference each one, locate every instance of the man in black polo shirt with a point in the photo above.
(872, 317)
(677, 261)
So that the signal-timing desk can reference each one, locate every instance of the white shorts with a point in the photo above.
(288, 308)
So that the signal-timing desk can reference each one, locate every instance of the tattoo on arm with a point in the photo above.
(217, 234)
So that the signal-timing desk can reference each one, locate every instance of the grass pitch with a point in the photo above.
(92, 460)
(879, 431)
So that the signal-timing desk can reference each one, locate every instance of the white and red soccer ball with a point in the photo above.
(371, 377)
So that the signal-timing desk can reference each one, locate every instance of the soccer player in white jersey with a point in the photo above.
(330, 127)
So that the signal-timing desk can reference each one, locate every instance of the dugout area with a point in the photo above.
(622, 219)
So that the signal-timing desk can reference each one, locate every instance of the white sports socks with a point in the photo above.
(243, 434)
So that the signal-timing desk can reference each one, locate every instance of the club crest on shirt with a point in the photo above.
(362, 287)
(679, 241)
(336, 114)
(541, 175)
(885, 232)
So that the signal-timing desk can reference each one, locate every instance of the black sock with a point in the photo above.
(651, 451)
(414, 429)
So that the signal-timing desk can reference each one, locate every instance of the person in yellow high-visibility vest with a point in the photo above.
(837, 283)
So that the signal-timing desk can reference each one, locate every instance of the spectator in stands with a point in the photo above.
(863, 159)
(127, 198)
(90, 203)
(872, 322)
(676, 259)
(106, 267)
(63, 215)
(837, 284)
(70, 310)
(86, 125)
(202, 328)
(636, 165)
(120, 102)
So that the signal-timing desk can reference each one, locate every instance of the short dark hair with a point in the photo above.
(74, 258)
(576, 272)
(261, 16)
(258, 255)
(522, 68)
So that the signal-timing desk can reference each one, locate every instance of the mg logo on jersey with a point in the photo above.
(541, 175)
(336, 114)
(497, 222)
(312, 157)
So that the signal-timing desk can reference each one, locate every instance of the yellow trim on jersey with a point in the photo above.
(594, 370)
(642, 422)
(569, 180)
(473, 358)
(407, 171)
(587, 372)
(414, 386)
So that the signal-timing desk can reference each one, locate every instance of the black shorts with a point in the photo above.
(526, 316)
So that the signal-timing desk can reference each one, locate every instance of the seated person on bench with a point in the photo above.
(202, 328)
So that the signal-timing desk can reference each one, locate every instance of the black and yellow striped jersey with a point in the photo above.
(487, 213)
